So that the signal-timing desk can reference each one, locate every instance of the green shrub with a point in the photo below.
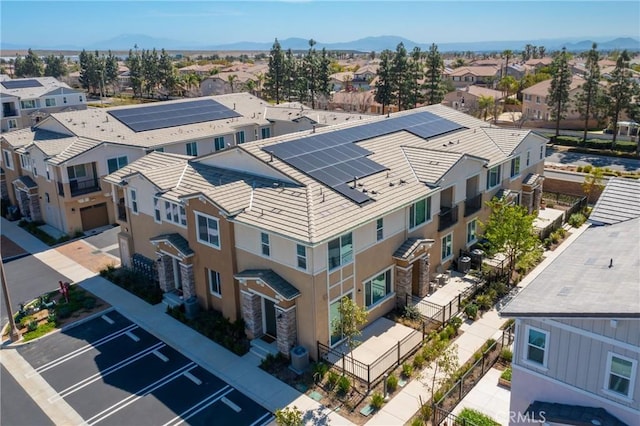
(476, 418)
(579, 169)
(506, 355)
(377, 400)
(455, 322)
(577, 220)
(344, 385)
(587, 168)
(417, 421)
(52, 317)
(392, 383)
(407, 370)
(418, 361)
(63, 311)
(89, 303)
(411, 312)
(506, 374)
(484, 302)
(289, 416)
(471, 311)
(319, 370)
(489, 344)
(32, 325)
(426, 411)
(332, 379)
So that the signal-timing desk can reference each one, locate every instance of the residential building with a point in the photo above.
(466, 99)
(482, 75)
(226, 82)
(577, 342)
(53, 172)
(277, 232)
(26, 101)
(293, 117)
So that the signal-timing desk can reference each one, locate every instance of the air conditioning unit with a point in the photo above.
(299, 359)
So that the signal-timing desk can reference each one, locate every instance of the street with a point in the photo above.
(561, 157)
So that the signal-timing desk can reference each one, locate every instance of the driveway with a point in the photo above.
(110, 371)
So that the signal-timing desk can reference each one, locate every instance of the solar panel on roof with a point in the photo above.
(334, 159)
(172, 114)
(21, 84)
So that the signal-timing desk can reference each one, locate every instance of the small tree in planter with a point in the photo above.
(444, 365)
(350, 319)
(289, 416)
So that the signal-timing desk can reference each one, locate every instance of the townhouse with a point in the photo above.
(53, 172)
(577, 342)
(467, 99)
(26, 101)
(278, 231)
(482, 75)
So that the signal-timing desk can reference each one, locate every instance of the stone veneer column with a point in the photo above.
(23, 203)
(527, 201)
(34, 207)
(4, 190)
(251, 307)
(537, 197)
(165, 273)
(423, 276)
(188, 282)
(403, 284)
(287, 330)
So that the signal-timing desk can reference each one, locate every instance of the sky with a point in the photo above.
(220, 22)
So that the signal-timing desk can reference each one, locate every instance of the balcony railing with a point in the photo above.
(472, 205)
(448, 217)
(10, 113)
(80, 187)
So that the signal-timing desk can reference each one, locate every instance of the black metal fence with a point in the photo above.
(370, 374)
(144, 266)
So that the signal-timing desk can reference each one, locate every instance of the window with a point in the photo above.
(12, 123)
(8, 161)
(528, 158)
(379, 229)
(542, 152)
(35, 170)
(620, 375)
(159, 149)
(28, 104)
(419, 212)
(64, 99)
(173, 212)
(266, 132)
(493, 177)
(208, 230)
(264, 240)
(377, 288)
(76, 172)
(515, 166)
(134, 200)
(214, 282)
(536, 344)
(50, 102)
(537, 99)
(447, 246)
(340, 251)
(117, 163)
(46, 197)
(218, 143)
(24, 162)
(239, 137)
(192, 149)
(157, 216)
(47, 172)
(301, 252)
(80, 98)
(471, 231)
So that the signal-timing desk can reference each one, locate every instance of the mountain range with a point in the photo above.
(367, 44)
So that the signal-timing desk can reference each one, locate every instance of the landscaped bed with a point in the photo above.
(134, 282)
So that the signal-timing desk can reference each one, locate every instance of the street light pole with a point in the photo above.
(14, 333)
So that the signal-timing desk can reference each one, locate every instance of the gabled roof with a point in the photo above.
(410, 245)
(26, 181)
(273, 280)
(175, 240)
(619, 202)
(480, 71)
(542, 88)
(47, 85)
(430, 166)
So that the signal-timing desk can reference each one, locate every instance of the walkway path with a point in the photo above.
(406, 402)
(241, 372)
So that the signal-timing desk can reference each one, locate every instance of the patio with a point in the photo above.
(546, 217)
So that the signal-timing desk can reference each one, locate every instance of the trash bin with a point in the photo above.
(476, 258)
(191, 307)
(464, 264)
(299, 359)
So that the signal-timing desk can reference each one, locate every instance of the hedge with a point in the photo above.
(625, 146)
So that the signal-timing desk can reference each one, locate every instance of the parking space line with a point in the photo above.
(139, 394)
(268, 416)
(103, 373)
(81, 350)
(231, 405)
(192, 411)
(108, 320)
(161, 356)
(193, 378)
(132, 336)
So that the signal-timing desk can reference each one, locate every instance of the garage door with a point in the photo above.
(94, 216)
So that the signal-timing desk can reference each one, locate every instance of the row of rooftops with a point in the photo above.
(41, 86)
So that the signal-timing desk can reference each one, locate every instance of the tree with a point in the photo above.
(351, 318)
(433, 77)
(509, 230)
(443, 365)
(167, 74)
(593, 183)
(136, 77)
(508, 85)
(384, 87)
(232, 80)
(289, 416)
(55, 66)
(29, 66)
(275, 75)
(485, 102)
(110, 75)
(587, 98)
(416, 65)
(506, 54)
(558, 98)
(400, 76)
(622, 90)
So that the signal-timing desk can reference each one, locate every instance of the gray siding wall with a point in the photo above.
(581, 360)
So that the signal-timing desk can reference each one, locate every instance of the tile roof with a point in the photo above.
(177, 241)
(409, 246)
(294, 111)
(619, 202)
(273, 280)
(47, 85)
(430, 165)
(483, 71)
(27, 181)
(542, 88)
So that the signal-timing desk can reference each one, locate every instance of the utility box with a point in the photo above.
(299, 359)
(191, 307)
(464, 264)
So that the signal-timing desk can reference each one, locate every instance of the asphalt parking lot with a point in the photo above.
(112, 372)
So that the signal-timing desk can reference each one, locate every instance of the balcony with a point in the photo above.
(472, 205)
(447, 217)
(86, 186)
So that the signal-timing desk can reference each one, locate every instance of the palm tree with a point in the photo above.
(232, 79)
(484, 103)
(507, 54)
(251, 86)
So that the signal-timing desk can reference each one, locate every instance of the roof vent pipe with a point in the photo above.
(234, 106)
(610, 263)
(355, 181)
(313, 130)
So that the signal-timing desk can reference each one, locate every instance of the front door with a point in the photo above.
(269, 310)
